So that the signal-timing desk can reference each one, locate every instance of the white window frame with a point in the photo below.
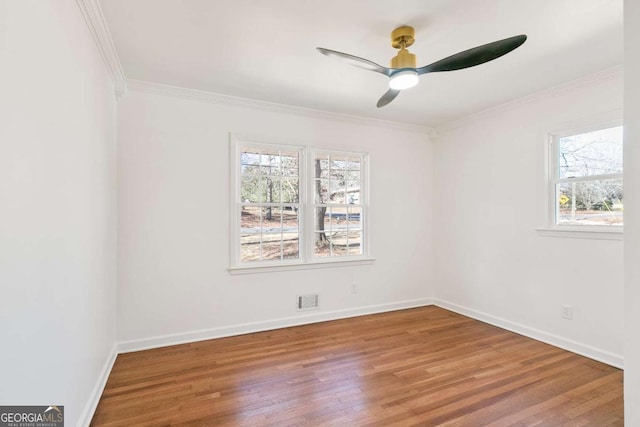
(306, 210)
(551, 177)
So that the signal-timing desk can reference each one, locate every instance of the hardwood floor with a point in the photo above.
(425, 366)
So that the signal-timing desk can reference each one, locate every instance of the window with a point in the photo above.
(269, 203)
(337, 207)
(293, 205)
(586, 185)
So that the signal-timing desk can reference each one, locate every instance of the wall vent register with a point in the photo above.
(307, 302)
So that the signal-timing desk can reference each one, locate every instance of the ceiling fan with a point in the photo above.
(403, 73)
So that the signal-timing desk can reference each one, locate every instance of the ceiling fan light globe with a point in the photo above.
(404, 80)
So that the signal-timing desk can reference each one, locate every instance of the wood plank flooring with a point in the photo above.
(424, 367)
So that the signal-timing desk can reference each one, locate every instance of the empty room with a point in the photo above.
(285, 213)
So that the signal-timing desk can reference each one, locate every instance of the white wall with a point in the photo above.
(173, 158)
(632, 211)
(490, 260)
(57, 208)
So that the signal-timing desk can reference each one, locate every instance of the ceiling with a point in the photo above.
(265, 50)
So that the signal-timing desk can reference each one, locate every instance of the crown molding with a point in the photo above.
(216, 98)
(94, 18)
(588, 81)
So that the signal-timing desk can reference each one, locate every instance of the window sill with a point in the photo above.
(608, 233)
(298, 265)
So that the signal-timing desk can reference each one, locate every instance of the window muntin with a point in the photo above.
(587, 178)
(296, 205)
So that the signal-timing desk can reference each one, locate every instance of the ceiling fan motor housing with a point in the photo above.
(401, 38)
(404, 59)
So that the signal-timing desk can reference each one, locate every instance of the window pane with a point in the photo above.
(353, 177)
(249, 157)
(322, 219)
(321, 166)
(355, 243)
(354, 219)
(352, 163)
(322, 235)
(274, 190)
(353, 196)
(290, 171)
(338, 232)
(322, 247)
(336, 191)
(290, 232)
(336, 219)
(321, 189)
(261, 171)
(270, 170)
(271, 248)
(264, 189)
(250, 191)
(265, 159)
(289, 163)
(592, 153)
(290, 190)
(269, 233)
(346, 196)
(250, 218)
(250, 170)
(250, 233)
(339, 242)
(590, 203)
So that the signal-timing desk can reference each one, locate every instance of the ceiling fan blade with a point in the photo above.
(355, 61)
(475, 56)
(389, 96)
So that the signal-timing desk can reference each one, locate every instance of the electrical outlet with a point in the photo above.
(567, 312)
(354, 288)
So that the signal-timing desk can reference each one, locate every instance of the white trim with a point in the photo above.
(251, 327)
(94, 18)
(234, 190)
(601, 120)
(588, 178)
(603, 356)
(591, 80)
(609, 233)
(216, 98)
(96, 393)
(298, 265)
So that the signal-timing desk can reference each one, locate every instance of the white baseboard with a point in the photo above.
(615, 360)
(96, 393)
(247, 328)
